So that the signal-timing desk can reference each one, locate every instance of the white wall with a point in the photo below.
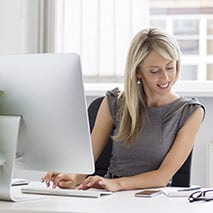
(205, 135)
(11, 27)
(19, 33)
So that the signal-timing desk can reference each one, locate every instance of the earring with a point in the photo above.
(139, 81)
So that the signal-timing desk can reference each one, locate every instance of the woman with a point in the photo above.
(153, 128)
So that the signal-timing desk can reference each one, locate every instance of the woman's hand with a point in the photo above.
(62, 180)
(99, 182)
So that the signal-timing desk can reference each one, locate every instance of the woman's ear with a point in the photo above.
(138, 73)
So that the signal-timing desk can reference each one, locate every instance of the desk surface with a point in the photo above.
(124, 202)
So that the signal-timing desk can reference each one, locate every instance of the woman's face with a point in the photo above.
(157, 74)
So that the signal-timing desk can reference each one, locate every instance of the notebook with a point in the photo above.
(179, 191)
(43, 190)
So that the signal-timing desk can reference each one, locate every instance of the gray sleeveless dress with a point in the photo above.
(153, 142)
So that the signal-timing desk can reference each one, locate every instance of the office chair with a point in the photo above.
(102, 163)
(180, 179)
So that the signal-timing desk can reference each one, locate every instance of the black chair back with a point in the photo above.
(102, 163)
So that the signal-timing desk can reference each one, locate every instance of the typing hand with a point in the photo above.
(99, 183)
(61, 180)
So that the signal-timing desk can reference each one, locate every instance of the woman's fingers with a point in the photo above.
(61, 180)
(91, 181)
(67, 184)
(49, 177)
(99, 183)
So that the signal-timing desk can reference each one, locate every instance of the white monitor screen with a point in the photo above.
(47, 91)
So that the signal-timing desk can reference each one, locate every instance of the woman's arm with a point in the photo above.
(172, 162)
(102, 129)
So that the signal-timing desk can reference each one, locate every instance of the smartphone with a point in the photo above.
(148, 193)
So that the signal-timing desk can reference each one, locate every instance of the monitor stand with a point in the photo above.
(9, 128)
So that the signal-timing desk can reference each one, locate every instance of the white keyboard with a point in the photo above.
(93, 193)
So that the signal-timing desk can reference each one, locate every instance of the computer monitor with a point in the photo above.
(47, 91)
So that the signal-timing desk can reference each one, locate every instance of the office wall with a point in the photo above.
(205, 136)
(19, 31)
(11, 27)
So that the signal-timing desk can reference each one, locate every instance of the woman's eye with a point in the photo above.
(170, 68)
(154, 71)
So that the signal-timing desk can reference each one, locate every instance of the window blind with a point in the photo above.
(100, 31)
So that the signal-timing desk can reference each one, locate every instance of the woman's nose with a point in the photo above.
(164, 75)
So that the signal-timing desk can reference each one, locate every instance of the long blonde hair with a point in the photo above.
(132, 100)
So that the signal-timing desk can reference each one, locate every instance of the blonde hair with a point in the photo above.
(132, 100)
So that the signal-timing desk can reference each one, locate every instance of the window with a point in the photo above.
(191, 23)
(100, 31)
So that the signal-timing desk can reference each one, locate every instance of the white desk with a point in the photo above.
(119, 202)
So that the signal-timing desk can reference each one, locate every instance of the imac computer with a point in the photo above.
(45, 93)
